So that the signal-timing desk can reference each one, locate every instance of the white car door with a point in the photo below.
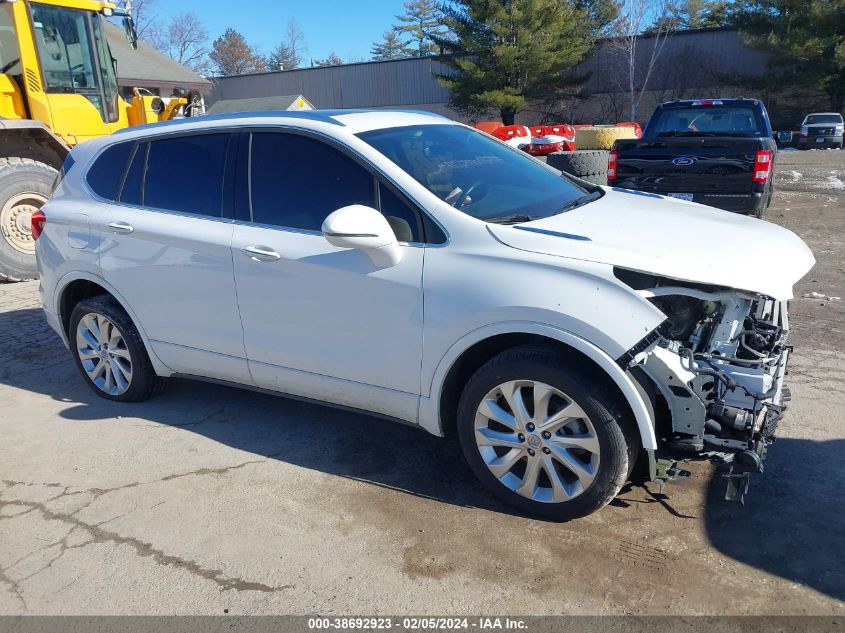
(166, 248)
(318, 320)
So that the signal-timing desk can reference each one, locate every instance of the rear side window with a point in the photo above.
(134, 181)
(296, 182)
(186, 173)
(107, 171)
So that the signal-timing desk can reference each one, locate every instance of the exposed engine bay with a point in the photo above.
(716, 366)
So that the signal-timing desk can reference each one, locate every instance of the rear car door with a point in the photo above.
(322, 321)
(166, 249)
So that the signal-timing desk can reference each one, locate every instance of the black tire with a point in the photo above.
(580, 163)
(17, 176)
(596, 179)
(144, 382)
(618, 441)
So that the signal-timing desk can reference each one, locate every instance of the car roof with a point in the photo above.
(685, 103)
(354, 121)
(825, 114)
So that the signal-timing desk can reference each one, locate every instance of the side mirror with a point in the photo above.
(364, 229)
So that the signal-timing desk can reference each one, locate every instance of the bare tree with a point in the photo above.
(638, 51)
(296, 41)
(144, 18)
(185, 40)
(288, 53)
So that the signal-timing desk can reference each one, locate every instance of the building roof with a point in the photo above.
(261, 104)
(147, 65)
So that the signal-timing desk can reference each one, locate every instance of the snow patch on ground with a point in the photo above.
(793, 175)
(834, 182)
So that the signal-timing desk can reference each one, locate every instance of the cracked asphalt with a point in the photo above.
(211, 500)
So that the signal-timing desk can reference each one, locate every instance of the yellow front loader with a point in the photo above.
(58, 87)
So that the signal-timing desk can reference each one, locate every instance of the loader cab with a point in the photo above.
(64, 67)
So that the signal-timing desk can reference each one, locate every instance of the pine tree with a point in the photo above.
(288, 53)
(232, 55)
(508, 52)
(805, 40)
(391, 47)
(422, 19)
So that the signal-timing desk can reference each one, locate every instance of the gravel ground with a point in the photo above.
(210, 500)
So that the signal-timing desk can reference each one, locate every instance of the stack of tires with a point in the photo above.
(589, 161)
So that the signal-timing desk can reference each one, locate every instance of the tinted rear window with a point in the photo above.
(743, 121)
(107, 171)
(185, 173)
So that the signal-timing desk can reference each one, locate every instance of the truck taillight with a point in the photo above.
(762, 165)
(612, 157)
(37, 224)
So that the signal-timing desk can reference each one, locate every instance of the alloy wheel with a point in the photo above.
(103, 353)
(537, 441)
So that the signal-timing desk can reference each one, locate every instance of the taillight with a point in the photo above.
(762, 165)
(612, 157)
(37, 224)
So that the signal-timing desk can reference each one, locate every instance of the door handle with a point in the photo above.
(120, 227)
(261, 253)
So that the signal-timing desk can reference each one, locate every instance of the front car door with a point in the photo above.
(321, 321)
(167, 249)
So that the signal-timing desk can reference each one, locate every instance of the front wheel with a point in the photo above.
(545, 434)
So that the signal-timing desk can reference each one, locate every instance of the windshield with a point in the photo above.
(68, 58)
(475, 173)
(822, 118)
(744, 121)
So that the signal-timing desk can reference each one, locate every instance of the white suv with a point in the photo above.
(405, 265)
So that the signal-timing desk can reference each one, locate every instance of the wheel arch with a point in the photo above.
(77, 286)
(32, 139)
(438, 412)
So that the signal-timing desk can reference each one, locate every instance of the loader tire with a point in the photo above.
(602, 137)
(581, 163)
(25, 185)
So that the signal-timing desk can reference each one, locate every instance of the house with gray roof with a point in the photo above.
(148, 68)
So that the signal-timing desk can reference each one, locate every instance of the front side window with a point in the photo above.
(186, 174)
(107, 73)
(10, 56)
(66, 51)
(296, 181)
(475, 173)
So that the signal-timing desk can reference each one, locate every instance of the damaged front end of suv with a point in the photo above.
(714, 372)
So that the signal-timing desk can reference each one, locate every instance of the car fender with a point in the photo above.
(160, 368)
(429, 416)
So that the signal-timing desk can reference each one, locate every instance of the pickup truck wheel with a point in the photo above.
(109, 352)
(25, 186)
(544, 435)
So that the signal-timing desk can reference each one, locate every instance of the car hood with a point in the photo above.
(671, 238)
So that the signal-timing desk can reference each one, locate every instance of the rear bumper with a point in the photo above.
(736, 202)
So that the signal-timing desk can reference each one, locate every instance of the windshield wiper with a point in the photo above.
(511, 219)
(579, 202)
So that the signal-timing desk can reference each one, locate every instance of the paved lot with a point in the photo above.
(211, 500)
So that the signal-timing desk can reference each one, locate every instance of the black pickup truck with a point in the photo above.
(718, 152)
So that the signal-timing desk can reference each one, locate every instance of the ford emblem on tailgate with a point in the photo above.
(683, 161)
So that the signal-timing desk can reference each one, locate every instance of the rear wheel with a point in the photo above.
(25, 186)
(109, 351)
(545, 435)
